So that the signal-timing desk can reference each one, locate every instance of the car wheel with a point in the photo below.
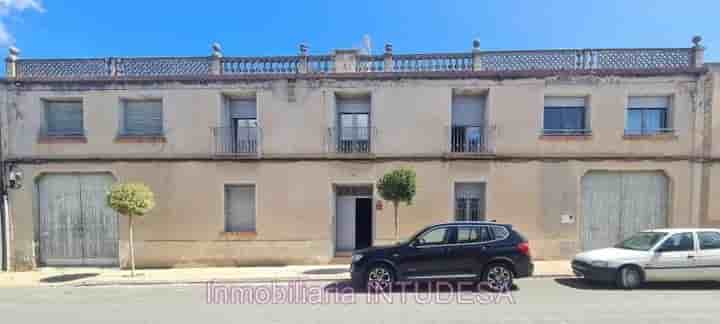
(629, 277)
(380, 278)
(498, 277)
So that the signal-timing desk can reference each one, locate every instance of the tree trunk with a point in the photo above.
(397, 222)
(132, 247)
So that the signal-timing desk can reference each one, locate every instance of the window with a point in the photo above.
(468, 124)
(642, 241)
(647, 115)
(142, 118)
(678, 242)
(473, 234)
(709, 240)
(354, 127)
(564, 115)
(501, 232)
(64, 118)
(435, 236)
(469, 201)
(239, 208)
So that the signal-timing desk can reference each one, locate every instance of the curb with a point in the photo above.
(242, 281)
(198, 282)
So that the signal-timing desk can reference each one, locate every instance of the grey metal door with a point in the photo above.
(76, 226)
(617, 204)
(345, 224)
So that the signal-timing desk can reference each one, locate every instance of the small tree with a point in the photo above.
(132, 200)
(397, 186)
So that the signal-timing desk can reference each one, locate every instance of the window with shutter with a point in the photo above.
(564, 115)
(239, 208)
(64, 118)
(647, 115)
(142, 118)
(469, 201)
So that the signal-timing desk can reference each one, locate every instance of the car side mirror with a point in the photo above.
(417, 242)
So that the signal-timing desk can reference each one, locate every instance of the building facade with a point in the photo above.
(274, 160)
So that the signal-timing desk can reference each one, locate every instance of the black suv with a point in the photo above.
(481, 251)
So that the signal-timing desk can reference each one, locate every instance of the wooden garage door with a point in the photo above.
(76, 227)
(617, 204)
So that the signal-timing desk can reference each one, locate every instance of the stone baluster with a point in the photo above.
(388, 58)
(216, 59)
(11, 62)
(698, 53)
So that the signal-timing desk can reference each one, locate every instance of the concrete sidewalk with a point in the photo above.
(111, 276)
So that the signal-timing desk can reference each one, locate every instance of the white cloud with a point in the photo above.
(8, 8)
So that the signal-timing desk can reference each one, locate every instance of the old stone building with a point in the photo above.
(274, 160)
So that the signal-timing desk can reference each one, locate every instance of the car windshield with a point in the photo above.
(411, 238)
(642, 241)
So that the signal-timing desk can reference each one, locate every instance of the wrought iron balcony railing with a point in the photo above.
(469, 139)
(236, 140)
(629, 59)
(351, 139)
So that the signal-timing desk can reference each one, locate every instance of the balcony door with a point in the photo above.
(243, 130)
(468, 124)
(245, 135)
(353, 134)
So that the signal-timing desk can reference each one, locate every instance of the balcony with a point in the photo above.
(469, 139)
(236, 140)
(349, 140)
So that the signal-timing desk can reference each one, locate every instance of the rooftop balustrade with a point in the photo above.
(353, 61)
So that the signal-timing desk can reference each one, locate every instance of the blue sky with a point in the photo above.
(89, 28)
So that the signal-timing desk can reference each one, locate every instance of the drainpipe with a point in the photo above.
(698, 140)
(705, 92)
(4, 210)
(6, 233)
(5, 223)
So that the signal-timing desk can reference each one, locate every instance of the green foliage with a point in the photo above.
(397, 186)
(131, 199)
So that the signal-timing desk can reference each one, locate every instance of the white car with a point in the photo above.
(678, 254)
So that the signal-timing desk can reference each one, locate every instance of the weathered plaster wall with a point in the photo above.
(411, 117)
(295, 215)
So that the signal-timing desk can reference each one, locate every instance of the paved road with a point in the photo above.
(534, 301)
